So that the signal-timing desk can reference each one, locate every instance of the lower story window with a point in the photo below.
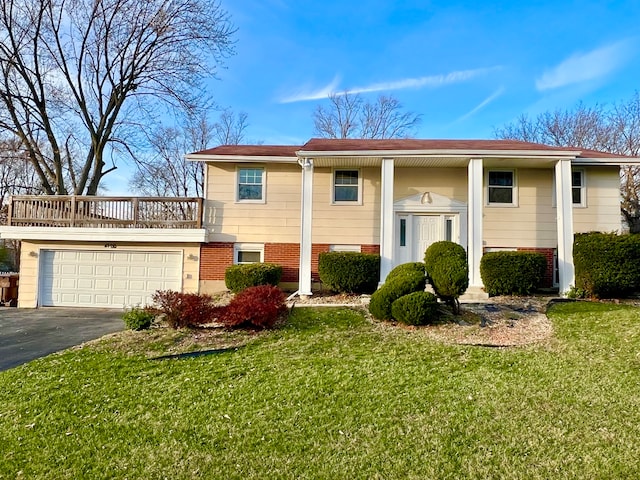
(248, 253)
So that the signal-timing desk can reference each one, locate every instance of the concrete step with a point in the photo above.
(474, 295)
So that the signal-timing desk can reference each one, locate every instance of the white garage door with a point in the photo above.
(81, 278)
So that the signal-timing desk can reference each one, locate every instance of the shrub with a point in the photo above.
(417, 308)
(239, 277)
(382, 299)
(512, 273)
(448, 271)
(138, 318)
(349, 272)
(255, 307)
(185, 309)
(607, 265)
(411, 267)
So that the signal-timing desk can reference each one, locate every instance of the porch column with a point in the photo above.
(474, 245)
(386, 218)
(304, 275)
(564, 207)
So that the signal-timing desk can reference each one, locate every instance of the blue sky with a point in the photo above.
(466, 67)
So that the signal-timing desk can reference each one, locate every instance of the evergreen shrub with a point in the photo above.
(239, 277)
(349, 272)
(607, 265)
(399, 286)
(512, 273)
(448, 271)
(417, 308)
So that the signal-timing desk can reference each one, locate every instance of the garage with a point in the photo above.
(106, 278)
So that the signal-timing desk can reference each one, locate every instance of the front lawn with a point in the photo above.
(333, 396)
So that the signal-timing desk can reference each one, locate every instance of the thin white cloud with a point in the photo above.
(482, 104)
(324, 92)
(432, 81)
(583, 67)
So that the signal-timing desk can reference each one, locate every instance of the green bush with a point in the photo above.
(138, 318)
(417, 308)
(239, 277)
(512, 273)
(607, 265)
(399, 286)
(349, 272)
(411, 267)
(448, 271)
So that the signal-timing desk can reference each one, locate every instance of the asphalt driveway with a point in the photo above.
(26, 334)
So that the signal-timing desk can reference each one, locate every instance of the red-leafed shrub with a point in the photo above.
(185, 309)
(255, 307)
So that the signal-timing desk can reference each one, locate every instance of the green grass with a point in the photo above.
(333, 396)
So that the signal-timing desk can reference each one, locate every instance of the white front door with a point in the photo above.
(416, 232)
(427, 229)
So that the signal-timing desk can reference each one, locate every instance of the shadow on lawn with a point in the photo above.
(199, 353)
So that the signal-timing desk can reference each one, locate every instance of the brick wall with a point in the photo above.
(216, 257)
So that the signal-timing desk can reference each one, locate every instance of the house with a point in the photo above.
(286, 204)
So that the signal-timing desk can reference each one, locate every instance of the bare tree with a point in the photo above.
(350, 116)
(17, 176)
(613, 130)
(86, 75)
(167, 173)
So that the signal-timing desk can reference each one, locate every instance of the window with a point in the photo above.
(501, 186)
(403, 232)
(248, 253)
(448, 229)
(577, 187)
(346, 186)
(345, 248)
(250, 184)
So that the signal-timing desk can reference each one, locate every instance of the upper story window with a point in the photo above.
(346, 186)
(250, 184)
(578, 188)
(501, 187)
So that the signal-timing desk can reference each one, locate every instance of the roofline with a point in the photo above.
(193, 157)
(613, 161)
(439, 153)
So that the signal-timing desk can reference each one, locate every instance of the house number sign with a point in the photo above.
(110, 245)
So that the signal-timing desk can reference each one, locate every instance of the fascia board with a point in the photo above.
(240, 158)
(80, 234)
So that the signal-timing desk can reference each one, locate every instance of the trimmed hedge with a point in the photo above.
(411, 267)
(607, 265)
(349, 272)
(448, 270)
(382, 299)
(239, 277)
(417, 308)
(512, 273)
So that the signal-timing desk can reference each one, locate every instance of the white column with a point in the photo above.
(474, 245)
(386, 219)
(304, 279)
(564, 207)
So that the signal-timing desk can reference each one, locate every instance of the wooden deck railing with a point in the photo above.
(105, 212)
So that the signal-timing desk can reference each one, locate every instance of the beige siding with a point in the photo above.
(346, 224)
(450, 182)
(533, 222)
(276, 220)
(602, 212)
(30, 255)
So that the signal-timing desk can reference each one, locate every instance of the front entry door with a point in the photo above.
(427, 229)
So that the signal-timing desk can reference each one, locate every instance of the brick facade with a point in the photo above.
(216, 257)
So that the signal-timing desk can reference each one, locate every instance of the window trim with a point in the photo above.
(264, 184)
(583, 192)
(514, 188)
(582, 187)
(247, 247)
(333, 187)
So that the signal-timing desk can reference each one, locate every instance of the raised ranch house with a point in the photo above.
(286, 204)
